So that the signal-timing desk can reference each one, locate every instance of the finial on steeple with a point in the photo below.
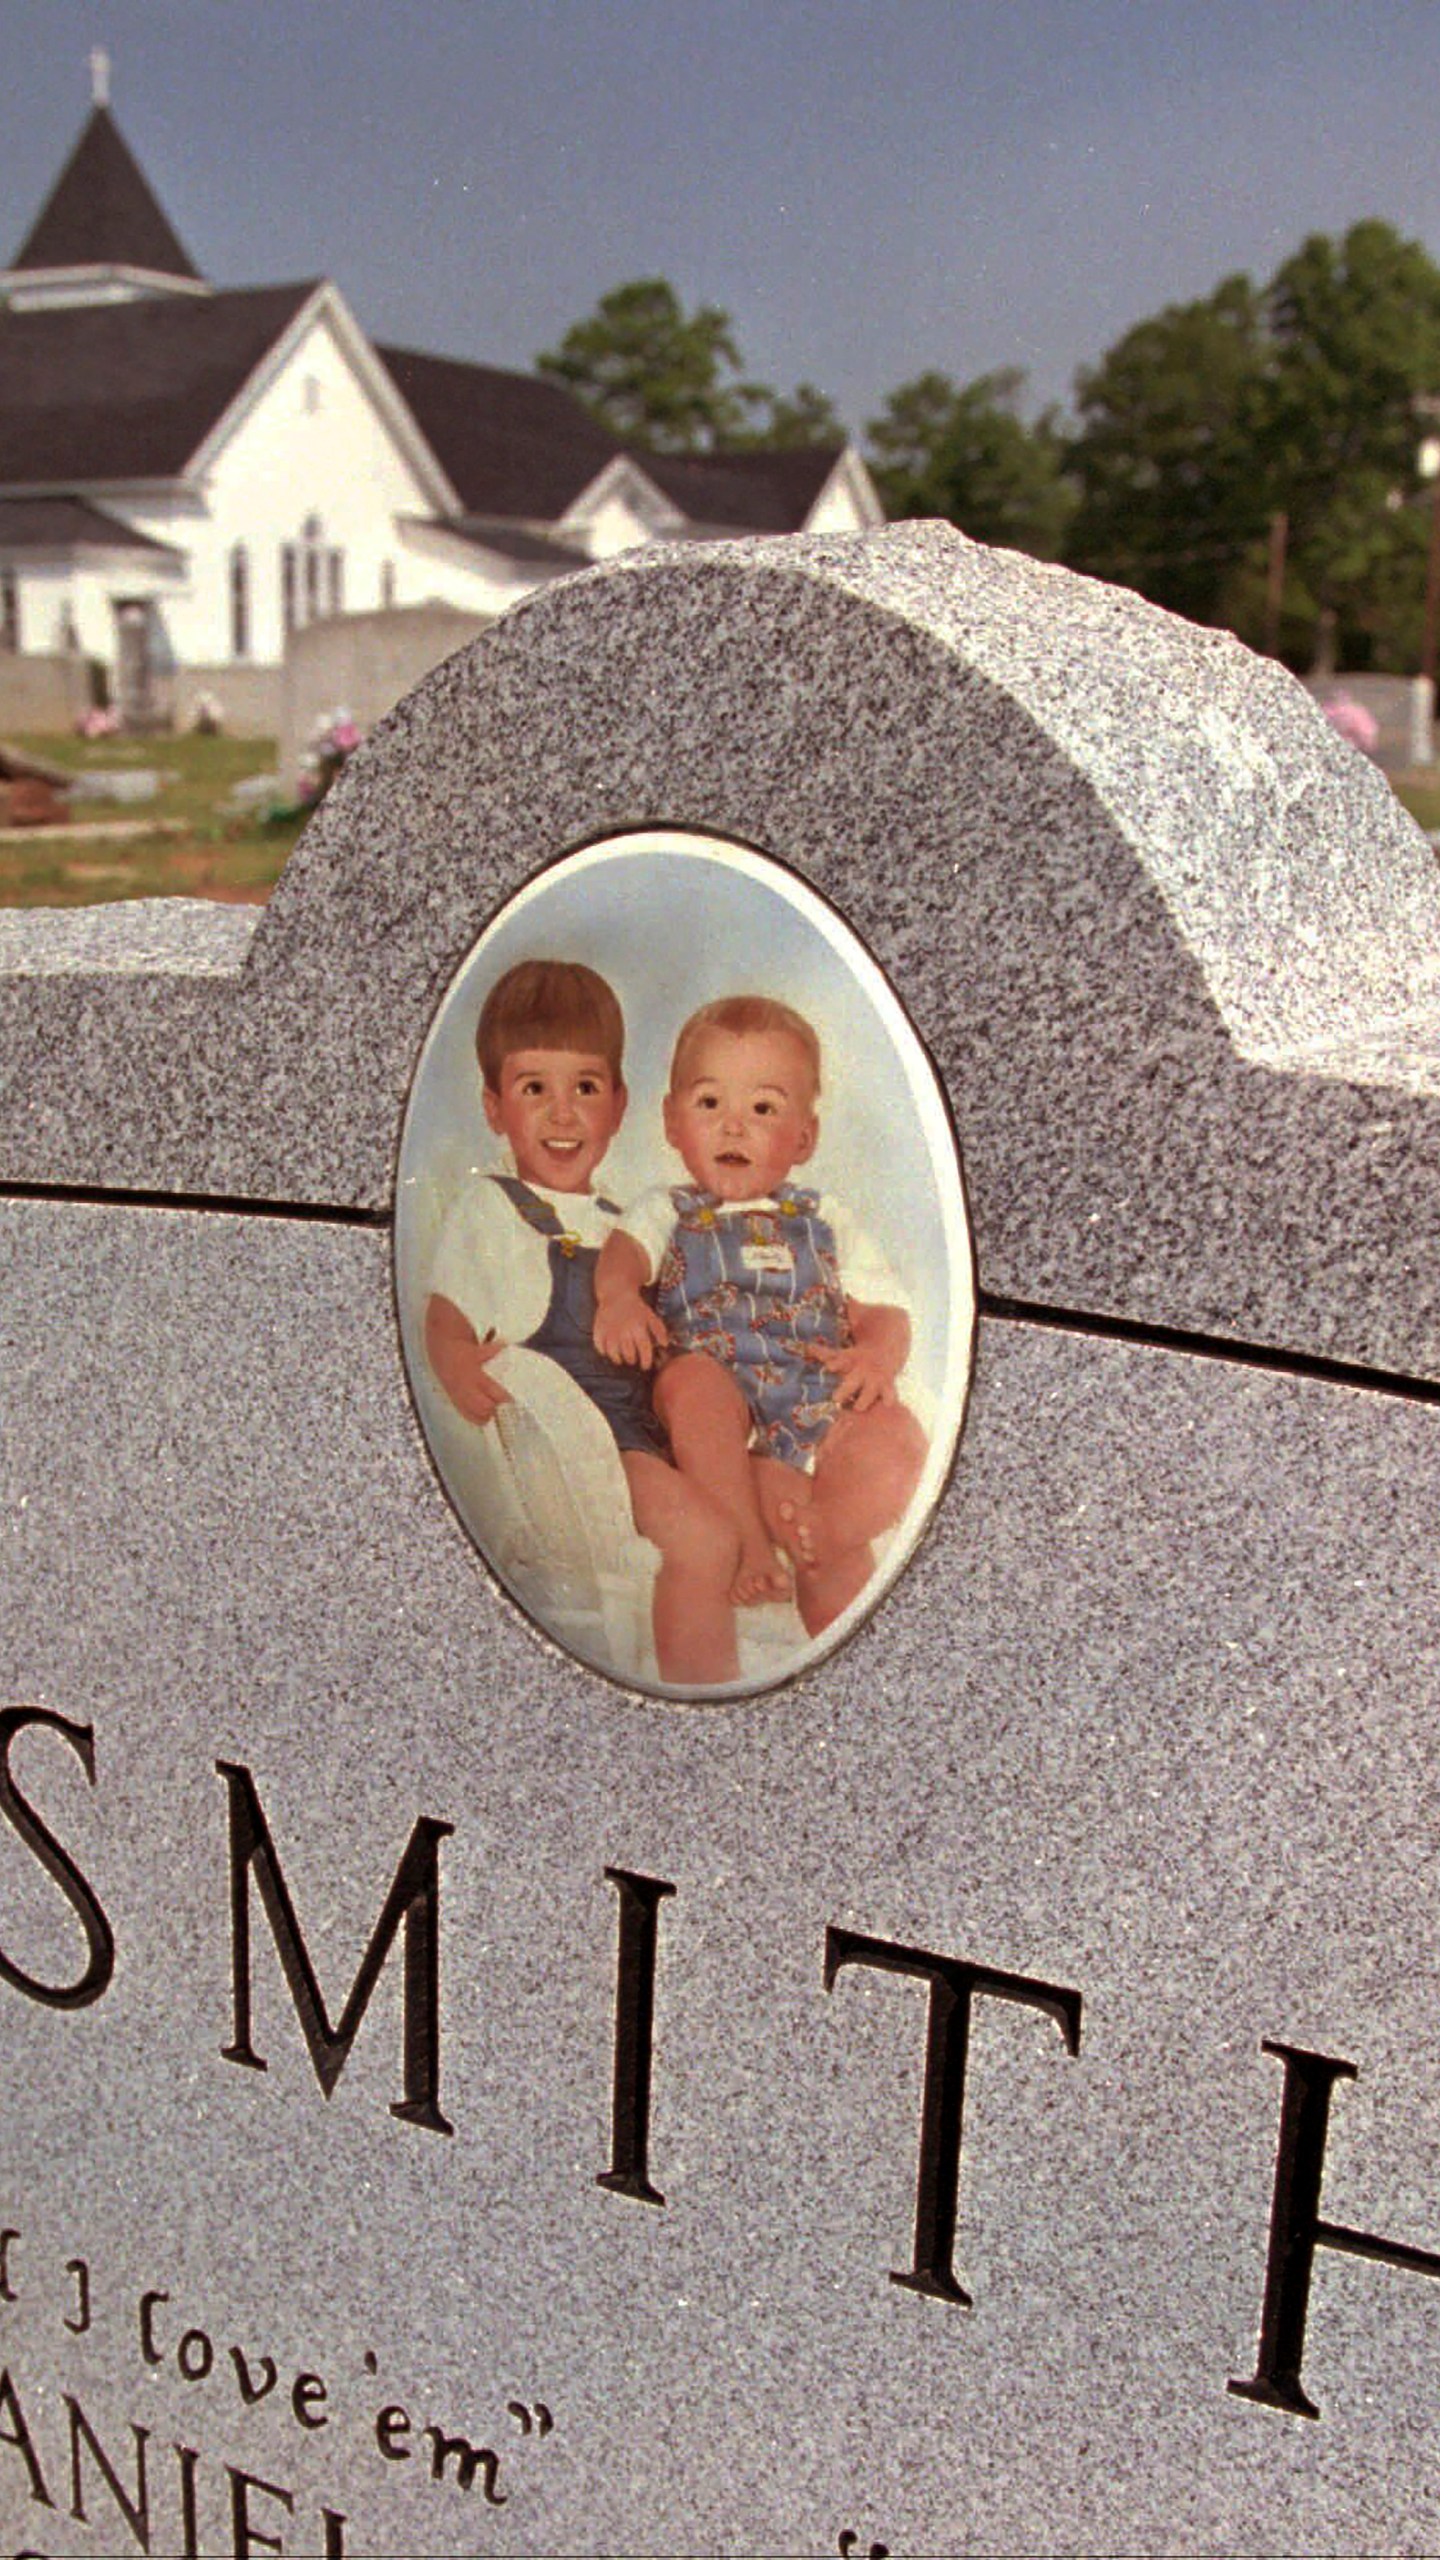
(99, 76)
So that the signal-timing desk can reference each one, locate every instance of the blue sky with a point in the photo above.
(869, 187)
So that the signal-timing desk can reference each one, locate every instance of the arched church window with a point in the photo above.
(310, 540)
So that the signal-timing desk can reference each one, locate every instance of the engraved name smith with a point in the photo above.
(409, 1920)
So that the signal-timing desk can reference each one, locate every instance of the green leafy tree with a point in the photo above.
(1354, 357)
(803, 416)
(965, 453)
(1304, 400)
(656, 374)
(1163, 459)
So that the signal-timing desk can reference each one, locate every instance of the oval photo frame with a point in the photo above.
(719, 1493)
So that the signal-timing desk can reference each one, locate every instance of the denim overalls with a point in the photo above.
(566, 1335)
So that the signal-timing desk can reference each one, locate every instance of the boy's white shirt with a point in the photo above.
(865, 1274)
(495, 1268)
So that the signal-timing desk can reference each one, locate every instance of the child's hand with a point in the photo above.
(471, 1388)
(461, 1361)
(865, 1374)
(628, 1330)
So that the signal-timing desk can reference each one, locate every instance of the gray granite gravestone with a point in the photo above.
(977, 2097)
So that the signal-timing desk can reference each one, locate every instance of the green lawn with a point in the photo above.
(1421, 798)
(200, 846)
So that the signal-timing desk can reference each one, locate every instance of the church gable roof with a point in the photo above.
(101, 212)
(758, 490)
(128, 390)
(510, 443)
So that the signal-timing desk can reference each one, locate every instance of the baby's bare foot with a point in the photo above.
(798, 1531)
(785, 1499)
(760, 1576)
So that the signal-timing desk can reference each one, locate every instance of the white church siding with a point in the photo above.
(433, 566)
(618, 512)
(67, 602)
(305, 462)
(294, 473)
(848, 502)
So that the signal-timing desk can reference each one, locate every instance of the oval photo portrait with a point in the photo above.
(683, 1266)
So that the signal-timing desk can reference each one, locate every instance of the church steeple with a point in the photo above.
(101, 235)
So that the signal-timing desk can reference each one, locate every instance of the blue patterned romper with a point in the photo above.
(754, 1287)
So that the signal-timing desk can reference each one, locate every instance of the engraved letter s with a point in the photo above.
(26, 1823)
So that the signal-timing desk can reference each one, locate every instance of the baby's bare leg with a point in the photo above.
(694, 1615)
(708, 1420)
(867, 1470)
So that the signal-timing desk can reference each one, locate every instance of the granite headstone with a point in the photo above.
(976, 2090)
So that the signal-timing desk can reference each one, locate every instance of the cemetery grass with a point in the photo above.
(201, 844)
(1420, 792)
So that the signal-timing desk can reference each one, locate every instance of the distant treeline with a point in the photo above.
(1260, 459)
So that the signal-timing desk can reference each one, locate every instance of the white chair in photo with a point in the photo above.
(544, 1489)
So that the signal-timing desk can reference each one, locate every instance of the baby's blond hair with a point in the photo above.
(742, 1014)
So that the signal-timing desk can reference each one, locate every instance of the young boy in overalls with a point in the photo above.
(778, 1332)
(516, 1265)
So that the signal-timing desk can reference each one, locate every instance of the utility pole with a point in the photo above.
(1432, 587)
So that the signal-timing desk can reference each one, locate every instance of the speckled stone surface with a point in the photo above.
(1151, 1717)
(1173, 944)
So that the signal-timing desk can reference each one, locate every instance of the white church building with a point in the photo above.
(190, 474)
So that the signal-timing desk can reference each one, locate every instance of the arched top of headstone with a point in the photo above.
(1172, 943)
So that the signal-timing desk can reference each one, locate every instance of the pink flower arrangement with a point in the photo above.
(1350, 720)
(96, 723)
(334, 737)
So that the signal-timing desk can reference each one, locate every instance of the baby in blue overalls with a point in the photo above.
(516, 1264)
(776, 1333)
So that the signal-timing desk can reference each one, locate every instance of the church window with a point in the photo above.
(312, 577)
(310, 534)
(387, 584)
(313, 394)
(9, 609)
(239, 602)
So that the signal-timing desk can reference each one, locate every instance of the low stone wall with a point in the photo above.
(365, 662)
(41, 693)
(1403, 706)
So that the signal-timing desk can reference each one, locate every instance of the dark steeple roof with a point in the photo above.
(101, 212)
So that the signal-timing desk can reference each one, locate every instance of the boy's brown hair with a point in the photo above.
(549, 1004)
(742, 1014)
